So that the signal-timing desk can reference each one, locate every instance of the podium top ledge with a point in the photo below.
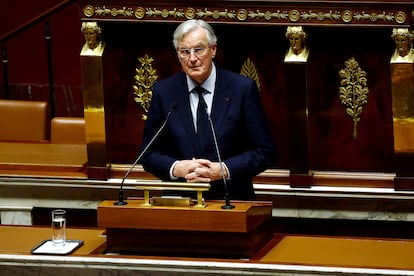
(240, 206)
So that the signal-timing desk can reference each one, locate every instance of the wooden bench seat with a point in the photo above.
(341, 251)
(43, 159)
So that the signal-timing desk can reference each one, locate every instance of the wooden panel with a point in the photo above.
(189, 243)
(187, 231)
(244, 218)
(20, 240)
(332, 146)
(342, 251)
(44, 159)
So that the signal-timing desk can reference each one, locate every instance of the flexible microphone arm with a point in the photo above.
(227, 204)
(121, 201)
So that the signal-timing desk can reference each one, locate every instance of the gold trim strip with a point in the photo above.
(285, 15)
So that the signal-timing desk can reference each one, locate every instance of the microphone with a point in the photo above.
(121, 201)
(227, 204)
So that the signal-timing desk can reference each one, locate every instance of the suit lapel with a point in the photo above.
(221, 101)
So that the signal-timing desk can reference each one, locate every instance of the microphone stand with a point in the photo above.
(227, 204)
(121, 201)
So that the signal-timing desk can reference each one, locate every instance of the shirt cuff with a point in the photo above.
(228, 172)
(171, 171)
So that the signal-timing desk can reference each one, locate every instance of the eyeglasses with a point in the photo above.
(199, 52)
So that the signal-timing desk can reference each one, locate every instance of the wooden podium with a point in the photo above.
(187, 231)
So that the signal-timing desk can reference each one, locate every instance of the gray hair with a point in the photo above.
(189, 26)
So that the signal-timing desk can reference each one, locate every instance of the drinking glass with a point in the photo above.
(59, 227)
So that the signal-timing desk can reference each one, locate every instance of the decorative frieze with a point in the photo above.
(276, 15)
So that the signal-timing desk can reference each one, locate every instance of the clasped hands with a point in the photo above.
(198, 170)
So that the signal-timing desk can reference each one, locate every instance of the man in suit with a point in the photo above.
(239, 121)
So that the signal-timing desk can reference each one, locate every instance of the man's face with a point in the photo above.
(195, 55)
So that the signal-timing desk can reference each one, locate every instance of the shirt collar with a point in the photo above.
(208, 84)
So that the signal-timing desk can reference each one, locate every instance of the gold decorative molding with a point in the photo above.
(249, 70)
(114, 11)
(278, 15)
(353, 91)
(144, 80)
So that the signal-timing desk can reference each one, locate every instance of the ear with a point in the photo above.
(213, 50)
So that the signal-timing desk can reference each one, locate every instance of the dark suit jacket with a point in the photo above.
(243, 136)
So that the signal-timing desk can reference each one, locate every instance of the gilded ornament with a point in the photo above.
(400, 17)
(361, 16)
(353, 91)
(320, 16)
(242, 14)
(144, 80)
(249, 70)
(113, 12)
(268, 15)
(102, 11)
(347, 16)
(190, 13)
(373, 17)
(298, 52)
(88, 11)
(139, 13)
(294, 15)
(164, 13)
(216, 14)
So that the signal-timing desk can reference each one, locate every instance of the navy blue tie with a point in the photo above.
(203, 128)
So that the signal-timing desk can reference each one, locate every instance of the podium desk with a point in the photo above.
(187, 231)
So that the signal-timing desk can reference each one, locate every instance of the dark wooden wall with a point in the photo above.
(332, 146)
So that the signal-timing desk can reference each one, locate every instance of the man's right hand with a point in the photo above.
(184, 167)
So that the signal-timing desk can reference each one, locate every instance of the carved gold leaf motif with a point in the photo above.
(249, 70)
(353, 91)
(277, 15)
(145, 78)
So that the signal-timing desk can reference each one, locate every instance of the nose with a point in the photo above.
(192, 56)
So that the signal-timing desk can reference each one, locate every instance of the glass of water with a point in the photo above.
(59, 227)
